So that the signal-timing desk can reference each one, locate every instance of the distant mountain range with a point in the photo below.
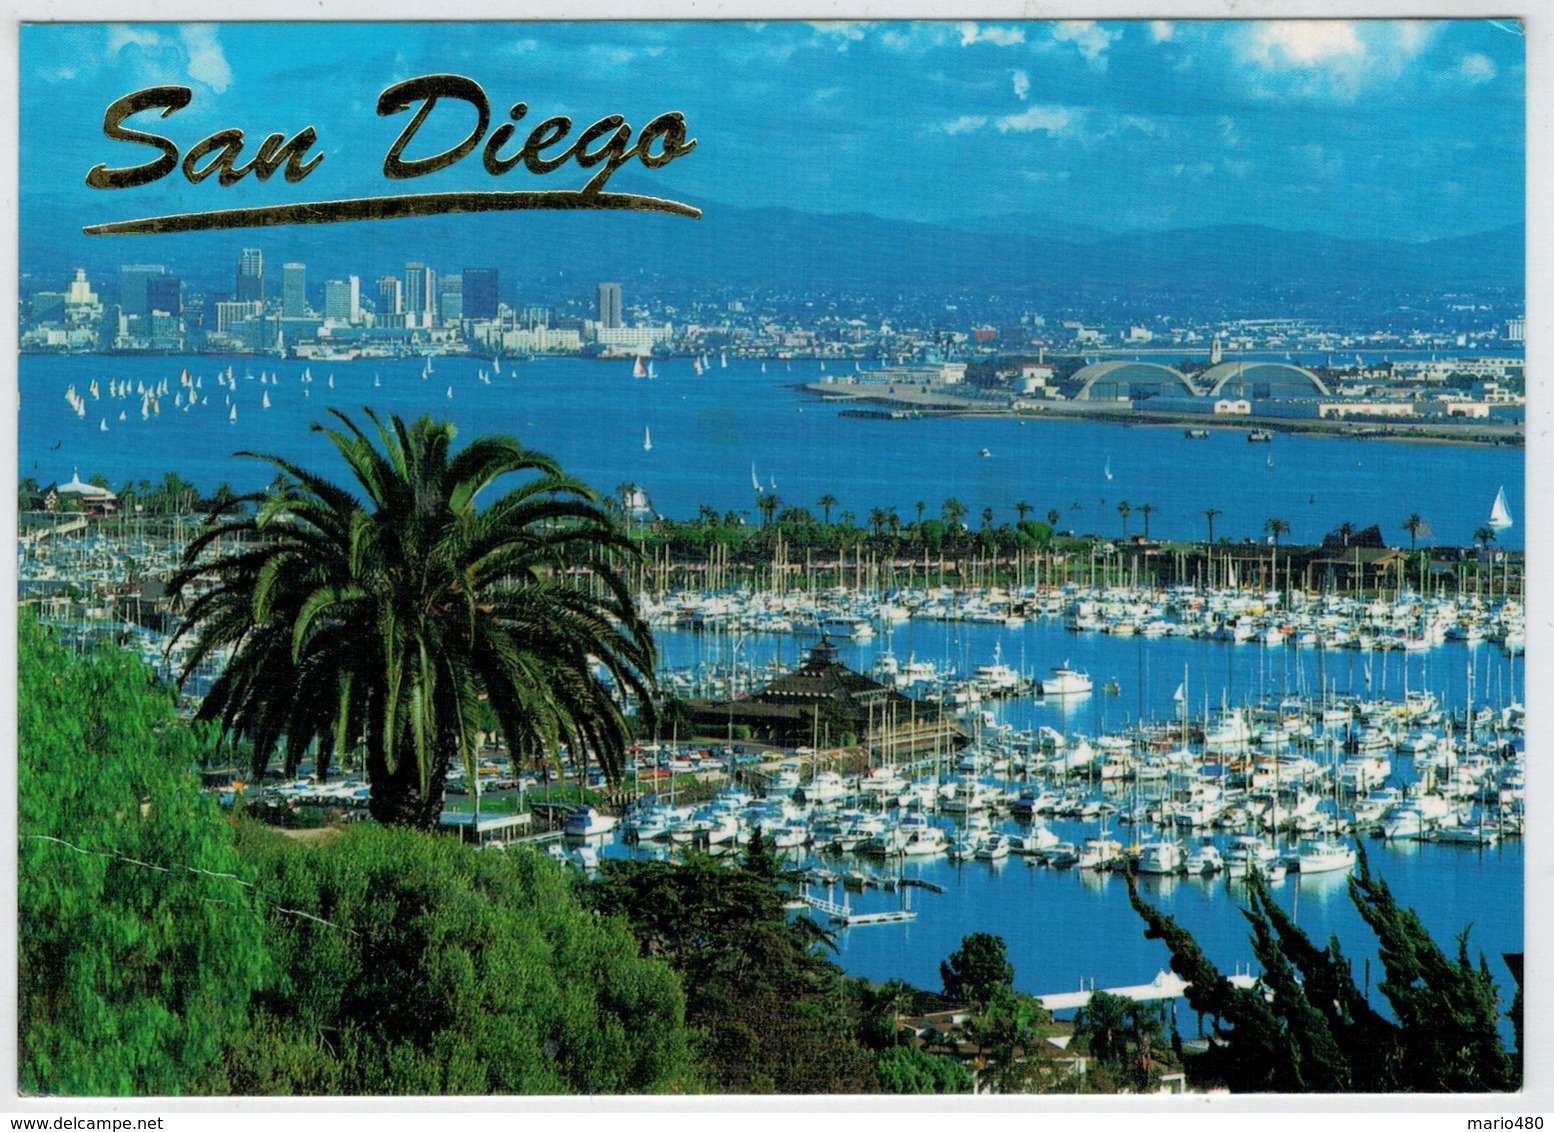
(785, 250)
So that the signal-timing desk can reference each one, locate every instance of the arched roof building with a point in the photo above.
(1133, 381)
(1260, 381)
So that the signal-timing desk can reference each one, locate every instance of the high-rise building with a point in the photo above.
(480, 292)
(133, 281)
(342, 300)
(250, 276)
(391, 295)
(610, 305)
(420, 294)
(294, 290)
(164, 295)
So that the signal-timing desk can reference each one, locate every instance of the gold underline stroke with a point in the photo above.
(388, 208)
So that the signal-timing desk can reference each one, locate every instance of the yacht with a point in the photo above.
(1248, 851)
(585, 821)
(1065, 681)
(1325, 855)
(1205, 860)
(1098, 852)
(1160, 858)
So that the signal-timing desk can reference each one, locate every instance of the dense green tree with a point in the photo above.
(758, 987)
(392, 619)
(1124, 1035)
(974, 973)
(906, 1069)
(431, 969)
(1309, 1028)
(138, 940)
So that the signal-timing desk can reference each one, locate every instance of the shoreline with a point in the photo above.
(944, 405)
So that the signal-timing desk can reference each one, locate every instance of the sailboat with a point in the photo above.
(696, 365)
(266, 402)
(331, 381)
(103, 425)
(647, 440)
(723, 361)
(763, 367)
(652, 373)
(1499, 514)
(450, 392)
(232, 416)
(1108, 467)
(377, 382)
(755, 483)
(496, 366)
(637, 368)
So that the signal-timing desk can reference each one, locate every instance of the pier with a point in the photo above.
(844, 914)
(1166, 984)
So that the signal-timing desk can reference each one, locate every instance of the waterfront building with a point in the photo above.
(823, 699)
(134, 279)
(294, 297)
(391, 297)
(81, 303)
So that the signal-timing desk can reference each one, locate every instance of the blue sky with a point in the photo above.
(1399, 129)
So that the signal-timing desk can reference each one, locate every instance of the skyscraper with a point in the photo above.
(294, 290)
(480, 292)
(610, 305)
(342, 300)
(164, 295)
(391, 295)
(250, 276)
(134, 278)
(420, 295)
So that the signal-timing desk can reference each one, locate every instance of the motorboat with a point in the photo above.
(1065, 681)
(1160, 858)
(585, 821)
(1324, 855)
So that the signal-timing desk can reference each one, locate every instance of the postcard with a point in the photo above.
(931, 558)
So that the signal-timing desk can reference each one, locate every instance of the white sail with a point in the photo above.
(637, 368)
(266, 401)
(1108, 467)
(647, 440)
(103, 425)
(1500, 514)
(754, 482)
(232, 416)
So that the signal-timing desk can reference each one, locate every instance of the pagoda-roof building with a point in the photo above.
(822, 700)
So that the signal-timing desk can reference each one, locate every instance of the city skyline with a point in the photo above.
(1396, 129)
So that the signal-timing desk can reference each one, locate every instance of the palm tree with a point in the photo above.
(767, 505)
(877, 520)
(1124, 509)
(1147, 510)
(921, 507)
(707, 515)
(1484, 536)
(392, 616)
(1413, 525)
(1346, 531)
(987, 517)
(1276, 527)
(1052, 518)
(1209, 513)
(1022, 509)
(953, 511)
(827, 501)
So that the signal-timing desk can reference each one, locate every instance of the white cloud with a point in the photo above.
(207, 63)
(1228, 134)
(1236, 168)
(1279, 44)
(965, 123)
(1022, 85)
(1161, 30)
(1044, 176)
(847, 32)
(1091, 39)
(1477, 68)
(120, 36)
(998, 36)
(1052, 119)
(1140, 123)
(1195, 173)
